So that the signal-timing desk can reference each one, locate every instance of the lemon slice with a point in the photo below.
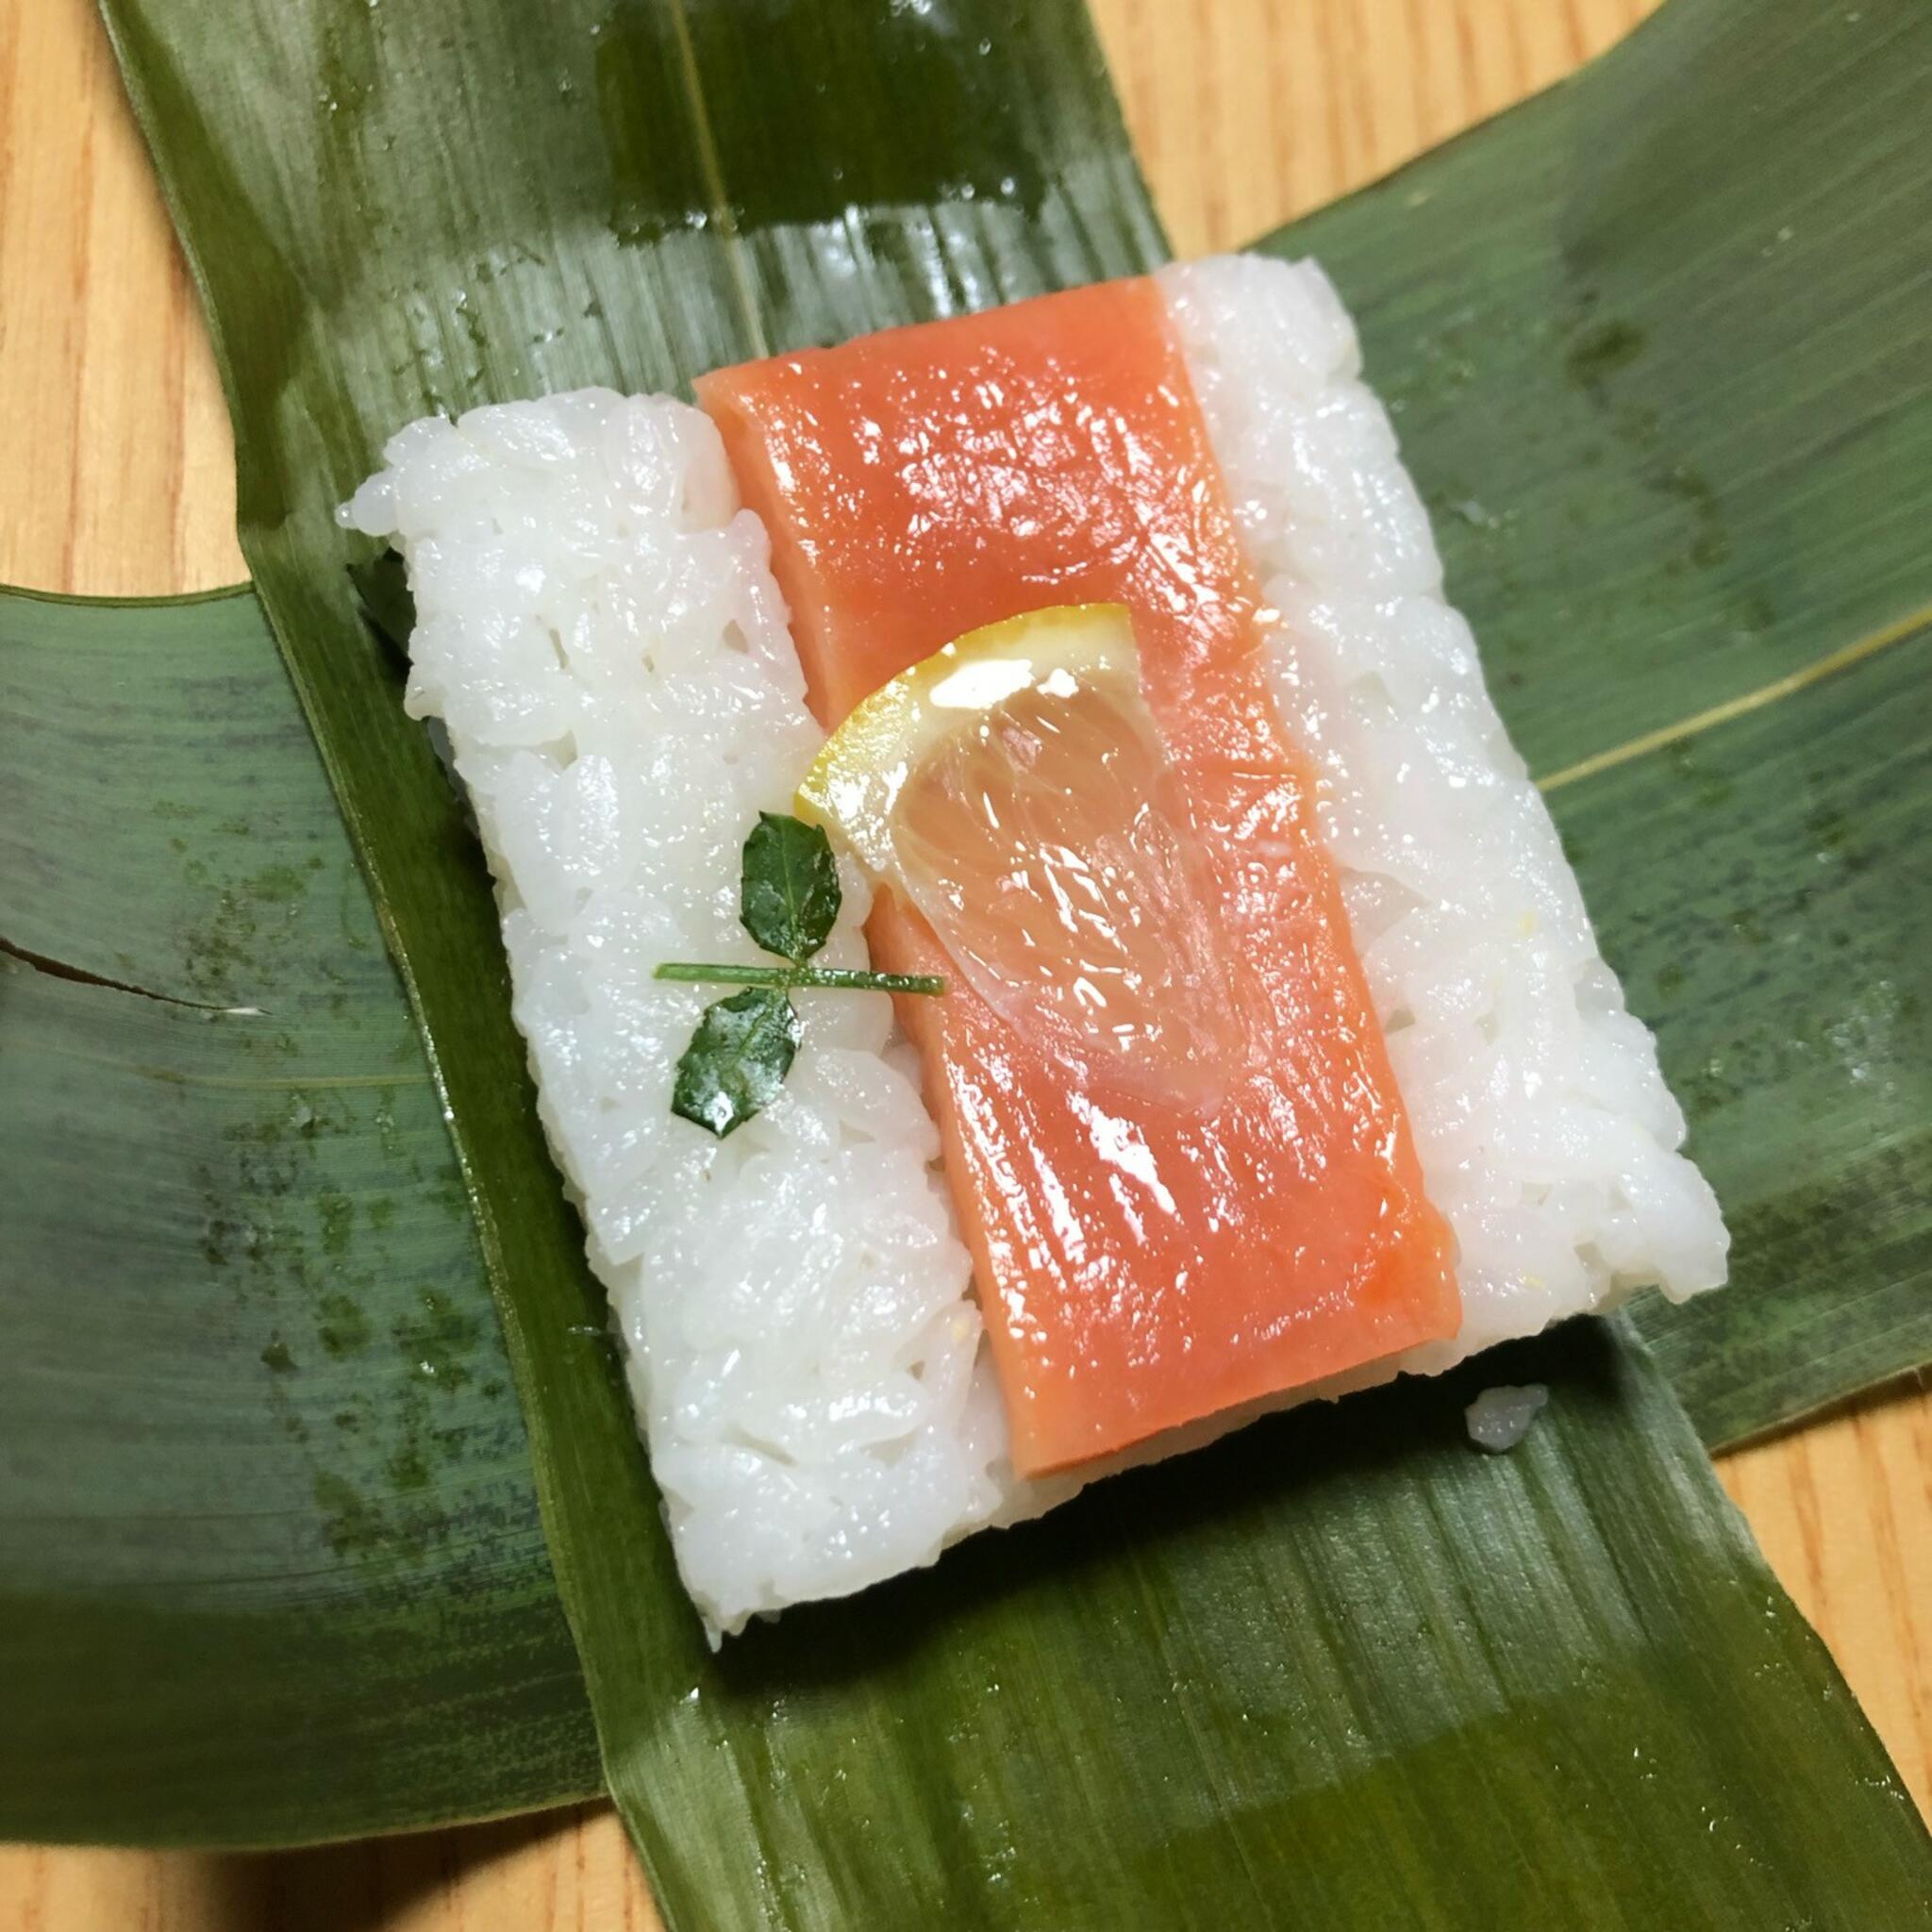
(1013, 786)
(855, 782)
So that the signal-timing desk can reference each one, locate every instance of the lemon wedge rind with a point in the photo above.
(857, 778)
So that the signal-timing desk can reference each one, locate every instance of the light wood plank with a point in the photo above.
(121, 479)
(122, 476)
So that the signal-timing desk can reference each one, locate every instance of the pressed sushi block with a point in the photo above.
(1105, 634)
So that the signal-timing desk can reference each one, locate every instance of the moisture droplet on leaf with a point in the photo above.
(737, 1059)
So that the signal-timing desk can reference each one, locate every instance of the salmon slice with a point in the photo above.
(1221, 1204)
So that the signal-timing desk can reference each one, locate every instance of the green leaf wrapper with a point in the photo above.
(1344, 1668)
(270, 1562)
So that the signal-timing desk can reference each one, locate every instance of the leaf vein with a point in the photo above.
(1917, 625)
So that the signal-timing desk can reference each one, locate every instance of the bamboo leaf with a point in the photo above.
(1660, 373)
(270, 1563)
(1310, 1675)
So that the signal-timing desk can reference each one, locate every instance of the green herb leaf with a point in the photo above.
(790, 894)
(743, 1048)
(737, 1059)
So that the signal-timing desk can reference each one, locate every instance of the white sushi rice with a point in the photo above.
(599, 631)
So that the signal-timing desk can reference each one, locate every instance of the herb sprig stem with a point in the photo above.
(849, 978)
(788, 899)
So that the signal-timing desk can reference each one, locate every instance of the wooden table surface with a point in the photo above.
(119, 478)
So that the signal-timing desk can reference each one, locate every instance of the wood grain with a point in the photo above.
(120, 479)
